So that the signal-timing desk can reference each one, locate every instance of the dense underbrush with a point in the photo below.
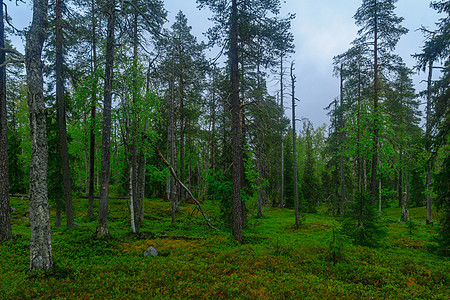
(273, 261)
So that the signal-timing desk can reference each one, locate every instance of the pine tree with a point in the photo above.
(381, 28)
(5, 209)
(41, 257)
(102, 227)
(436, 48)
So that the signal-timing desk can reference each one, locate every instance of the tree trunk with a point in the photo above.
(134, 200)
(93, 113)
(375, 112)
(213, 134)
(379, 198)
(102, 227)
(359, 130)
(260, 175)
(427, 143)
(294, 149)
(259, 139)
(41, 257)
(172, 190)
(400, 183)
(342, 136)
(59, 201)
(282, 135)
(405, 197)
(235, 127)
(61, 118)
(182, 131)
(5, 208)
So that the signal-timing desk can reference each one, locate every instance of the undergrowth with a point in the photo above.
(273, 261)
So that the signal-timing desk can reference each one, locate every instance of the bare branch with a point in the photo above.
(7, 19)
(13, 51)
(12, 61)
(172, 171)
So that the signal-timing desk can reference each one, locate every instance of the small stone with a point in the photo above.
(150, 251)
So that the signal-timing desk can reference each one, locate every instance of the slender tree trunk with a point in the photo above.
(427, 143)
(172, 155)
(400, 182)
(379, 198)
(102, 227)
(294, 149)
(259, 144)
(93, 113)
(235, 127)
(5, 208)
(182, 139)
(359, 130)
(141, 180)
(213, 134)
(405, 197)
(260, 175)
(134, 155)
(61, 116)
(375, 111)
(342, 136)
(41, 257)
(282, 134)
(59, 201)
(243, 140)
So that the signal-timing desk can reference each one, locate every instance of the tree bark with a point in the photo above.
(171, 185)
(427, 143)
(342, 137)
(93, 113)
(235, 127)
(405, 197)
(294, 149)
(102, 227)
(375, 111)
(182, 131)
(282, 135)
(359, 130)
(61, 119)
(134, 163)
(41, 257)
(5, 207)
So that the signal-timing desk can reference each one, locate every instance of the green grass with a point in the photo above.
(274, 261)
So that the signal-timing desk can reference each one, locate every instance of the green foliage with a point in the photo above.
(17, 181)
(338, 242)
(220, 189)
(310, 183)
(288, 171)
(412, 226)
(54, 171)
(274, 262)
(361, 222)
(442, 190)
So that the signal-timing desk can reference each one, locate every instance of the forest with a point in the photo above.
(135, 164)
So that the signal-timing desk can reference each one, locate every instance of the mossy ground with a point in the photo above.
(274, 261)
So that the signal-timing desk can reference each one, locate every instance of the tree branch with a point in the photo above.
(172, 171)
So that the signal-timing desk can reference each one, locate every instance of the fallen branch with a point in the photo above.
(98, 197)
(19, 195)
(172, 171)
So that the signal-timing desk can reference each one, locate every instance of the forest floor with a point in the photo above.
(274, 261)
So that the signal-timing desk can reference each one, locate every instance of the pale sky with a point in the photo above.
(322, 29)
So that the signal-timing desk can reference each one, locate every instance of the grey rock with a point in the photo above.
(150, 251)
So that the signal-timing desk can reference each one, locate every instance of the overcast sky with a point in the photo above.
(322, 29)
